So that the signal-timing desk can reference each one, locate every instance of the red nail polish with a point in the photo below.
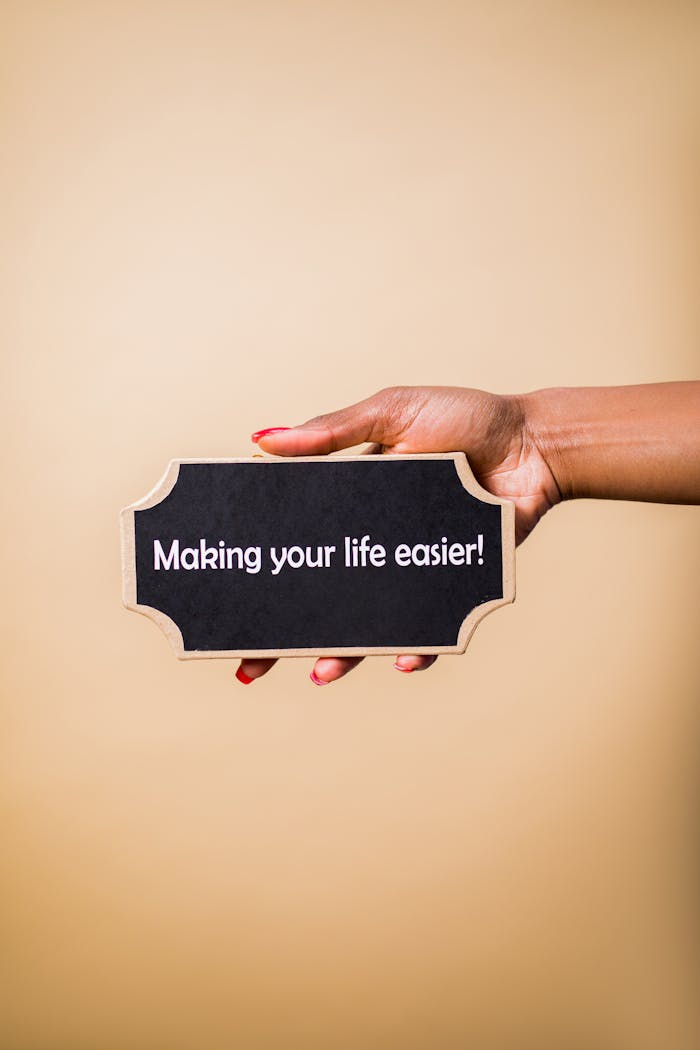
(406, 670)
(268, 430)
(243, 677)
(316, 680)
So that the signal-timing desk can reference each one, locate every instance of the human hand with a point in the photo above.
(491, 429)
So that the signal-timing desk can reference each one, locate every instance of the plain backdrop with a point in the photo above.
(219, 217)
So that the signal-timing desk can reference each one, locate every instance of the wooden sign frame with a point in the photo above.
(173, 633)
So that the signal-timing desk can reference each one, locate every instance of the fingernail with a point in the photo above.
(406, 670)
(316, 680)
(243, 677)
(268, 430)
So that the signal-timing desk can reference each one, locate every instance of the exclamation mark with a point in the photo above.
(480, 546)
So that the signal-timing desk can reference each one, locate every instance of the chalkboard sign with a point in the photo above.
(318, 555)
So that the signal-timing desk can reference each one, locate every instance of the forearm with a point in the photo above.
(626, 442)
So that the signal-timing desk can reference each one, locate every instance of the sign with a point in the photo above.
(318, 555)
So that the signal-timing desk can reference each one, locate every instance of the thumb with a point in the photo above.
(362, 422)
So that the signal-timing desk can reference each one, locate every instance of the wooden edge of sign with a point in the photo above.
(128, 545)
(174, 635)
(507, 546)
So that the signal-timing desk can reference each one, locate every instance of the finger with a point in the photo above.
(317, 438)
(376, 419)
(249, 670)
(407, 664)
(330, 668)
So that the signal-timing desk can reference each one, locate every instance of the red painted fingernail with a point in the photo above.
(268, 430)
(243, 677)
(406, 670)
(316, 680)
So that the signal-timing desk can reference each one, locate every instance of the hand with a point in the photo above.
(492, 430)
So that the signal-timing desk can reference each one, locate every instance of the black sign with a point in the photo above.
(320, 555)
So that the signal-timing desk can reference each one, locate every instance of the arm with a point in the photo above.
(624, 442)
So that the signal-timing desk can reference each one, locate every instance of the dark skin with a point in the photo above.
(632, 442)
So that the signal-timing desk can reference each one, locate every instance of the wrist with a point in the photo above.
(548, 429)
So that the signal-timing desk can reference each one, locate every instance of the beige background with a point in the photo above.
(225, 216)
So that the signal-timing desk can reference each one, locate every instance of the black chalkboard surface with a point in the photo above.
(318, 555)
